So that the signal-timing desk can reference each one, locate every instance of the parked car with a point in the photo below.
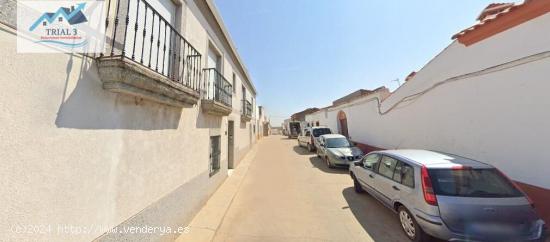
(337, 150)
(447, 196)
(310, 137)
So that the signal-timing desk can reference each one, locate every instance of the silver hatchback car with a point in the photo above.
(447, 196)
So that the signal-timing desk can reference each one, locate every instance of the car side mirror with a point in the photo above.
(322, 145)
(358, 163)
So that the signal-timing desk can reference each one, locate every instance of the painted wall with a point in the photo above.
(199, 29)
(74, 154)
(497, 115)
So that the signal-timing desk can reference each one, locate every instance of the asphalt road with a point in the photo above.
(289, 194)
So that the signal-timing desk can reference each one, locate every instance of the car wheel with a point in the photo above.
(329, 164)
(356, 185)
(410, 227)
(543, 236)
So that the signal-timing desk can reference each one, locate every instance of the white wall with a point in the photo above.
(198, 29)
(75, 154)
(499, 117)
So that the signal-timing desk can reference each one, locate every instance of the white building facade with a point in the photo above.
(484, 97)
(110, 142)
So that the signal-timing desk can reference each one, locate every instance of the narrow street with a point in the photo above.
(289, 194)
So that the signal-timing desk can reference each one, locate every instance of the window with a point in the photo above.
(371, 161)
(321, 131)
(234, 83)
(397, 172)
(253, 112)
(386, 167)
(214, 154)
(407, 175)
(60, 19)
(404, 174)
(472, 183)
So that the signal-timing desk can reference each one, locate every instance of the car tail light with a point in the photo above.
(517, 187)
(312, 140)
(427, 188)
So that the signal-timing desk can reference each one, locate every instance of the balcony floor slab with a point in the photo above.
(215, 108)
(122, 75)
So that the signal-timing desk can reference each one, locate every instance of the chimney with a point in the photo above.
(72, 9)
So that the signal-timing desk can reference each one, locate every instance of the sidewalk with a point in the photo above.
(207, 221)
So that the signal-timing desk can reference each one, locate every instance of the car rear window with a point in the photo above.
(319, 132)
(472, 183)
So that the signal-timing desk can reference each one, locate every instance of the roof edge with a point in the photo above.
(212, 6)
(512, 17)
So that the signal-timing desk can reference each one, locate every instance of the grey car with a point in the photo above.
(447, 196)
(337, 150)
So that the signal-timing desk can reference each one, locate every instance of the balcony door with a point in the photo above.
(146, 43)
(244, 100)
(214, 61)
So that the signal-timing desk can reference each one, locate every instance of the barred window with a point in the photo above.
(214, 154)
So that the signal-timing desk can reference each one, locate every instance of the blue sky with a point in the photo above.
(307, 53)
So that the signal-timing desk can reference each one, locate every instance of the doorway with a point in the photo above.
(343, 123)
(230, 144)
(213, 62)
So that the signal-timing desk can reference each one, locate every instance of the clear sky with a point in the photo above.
(307, 53)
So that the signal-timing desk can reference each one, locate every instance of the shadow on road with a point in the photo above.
(301, 150)
(321, 165)
(377, 220)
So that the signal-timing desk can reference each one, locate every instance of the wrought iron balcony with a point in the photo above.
(146, 56)
(218, 93)
(246, 111)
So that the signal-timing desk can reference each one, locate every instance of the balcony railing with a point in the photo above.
(217, 87)
(137, 32)
(246, 110)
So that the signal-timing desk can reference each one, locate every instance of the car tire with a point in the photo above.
(356, 185)
(543, 236)
(410, 227)
(329, 165)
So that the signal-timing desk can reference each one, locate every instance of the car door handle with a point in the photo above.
(395, 188)
(371, 176)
